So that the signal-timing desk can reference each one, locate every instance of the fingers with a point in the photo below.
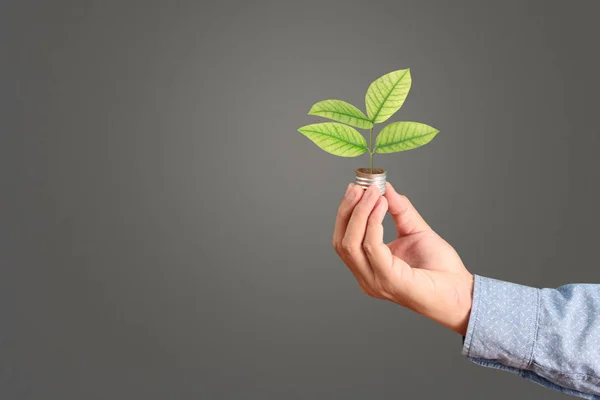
(352, 243)
(379, 255)
(358, 240)
(351, 198)
(356, 261)
(406, 218)
(357, 225)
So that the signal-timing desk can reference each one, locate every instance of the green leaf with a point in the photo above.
(400, 136)
(341, 111)
(386, 95)
(337, 139)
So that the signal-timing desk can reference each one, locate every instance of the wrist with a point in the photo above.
(450, 303)
(464, 304)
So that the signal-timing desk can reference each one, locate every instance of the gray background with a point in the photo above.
(166, 231)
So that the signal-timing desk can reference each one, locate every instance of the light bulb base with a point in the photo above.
(366, 177)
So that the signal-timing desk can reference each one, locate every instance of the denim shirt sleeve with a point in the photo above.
(548, 336)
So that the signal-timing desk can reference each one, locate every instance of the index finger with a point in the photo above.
(350, 200)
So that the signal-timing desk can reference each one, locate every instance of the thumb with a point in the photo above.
(406, 218)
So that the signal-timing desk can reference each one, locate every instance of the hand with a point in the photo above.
(418, 270)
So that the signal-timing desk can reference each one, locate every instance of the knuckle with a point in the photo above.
(368, 247)
(347, 247)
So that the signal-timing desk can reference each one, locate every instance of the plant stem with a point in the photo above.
(371, 149)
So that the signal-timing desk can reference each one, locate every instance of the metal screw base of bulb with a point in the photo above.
(366, 177)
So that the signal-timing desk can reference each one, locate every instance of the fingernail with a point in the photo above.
(351, 195)
(348, 189)
(371, 191)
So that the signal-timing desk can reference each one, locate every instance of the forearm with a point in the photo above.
(550, 336)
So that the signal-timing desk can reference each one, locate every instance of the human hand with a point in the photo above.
(418, 270)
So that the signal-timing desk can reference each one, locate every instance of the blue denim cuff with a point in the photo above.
(503, 323)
